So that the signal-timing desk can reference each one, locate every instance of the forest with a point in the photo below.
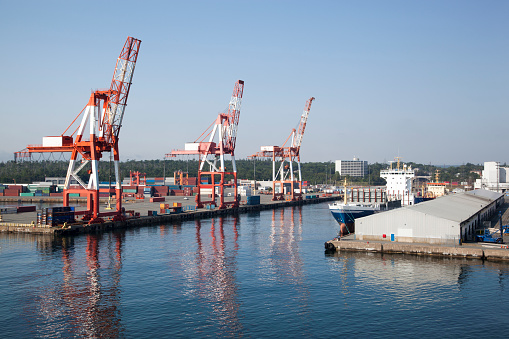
(314, 172)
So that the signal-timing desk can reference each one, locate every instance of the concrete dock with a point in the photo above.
(27, 222)
(483, 251)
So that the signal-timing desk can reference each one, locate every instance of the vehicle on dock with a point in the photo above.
(487, 236)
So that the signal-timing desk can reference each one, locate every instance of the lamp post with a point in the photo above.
(254, 175)
(326, 170)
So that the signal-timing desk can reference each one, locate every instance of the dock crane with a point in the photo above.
(211, 152)
(103, 114)
(286, 156)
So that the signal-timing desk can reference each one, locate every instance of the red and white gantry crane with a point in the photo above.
(213, 154)
(103, 114)
(285, 156)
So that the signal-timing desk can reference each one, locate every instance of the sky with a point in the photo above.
(424, 80)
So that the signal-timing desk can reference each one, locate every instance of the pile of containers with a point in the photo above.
(165, 208)
(54, 216)
(12, 190)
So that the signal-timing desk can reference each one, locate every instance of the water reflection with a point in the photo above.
(285, 236)
(86, 302)
(405, 278)
(216, 277)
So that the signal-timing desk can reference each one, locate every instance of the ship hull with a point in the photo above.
(347, 214)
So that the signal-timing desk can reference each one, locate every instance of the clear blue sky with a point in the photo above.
(427, 80)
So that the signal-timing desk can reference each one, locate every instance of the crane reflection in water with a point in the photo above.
(85, 302)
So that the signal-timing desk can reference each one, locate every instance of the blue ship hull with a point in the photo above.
(350, 216)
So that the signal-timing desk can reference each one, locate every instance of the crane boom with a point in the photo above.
(302, 125)
(232, 118)
(120, 86)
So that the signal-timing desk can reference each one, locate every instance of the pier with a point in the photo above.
(469, 251)
(27, 222)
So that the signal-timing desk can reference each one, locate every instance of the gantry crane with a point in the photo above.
(286, 156)
(210, 152)
(104, 114)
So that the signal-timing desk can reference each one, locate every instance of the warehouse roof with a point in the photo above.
(457, 207)
(486, 194)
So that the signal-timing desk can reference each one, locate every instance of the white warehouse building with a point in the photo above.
(445, 220)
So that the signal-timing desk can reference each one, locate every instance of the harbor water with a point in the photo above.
(257, 275)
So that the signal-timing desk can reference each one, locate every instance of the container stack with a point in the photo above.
(161, 191)
(13, 190)
(41, 189)
(165, 208)
(147, 191)
(188, 190)
(49, 217)
(244, 191)
(129, 191)
(159, 181)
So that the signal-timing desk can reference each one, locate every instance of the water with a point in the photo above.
(259, 275)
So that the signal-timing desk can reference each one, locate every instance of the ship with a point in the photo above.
(345, 213)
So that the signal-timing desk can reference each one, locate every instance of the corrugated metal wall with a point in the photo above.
(407, 225)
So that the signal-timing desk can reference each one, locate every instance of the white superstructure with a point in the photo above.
(494, 177)
(399, 183)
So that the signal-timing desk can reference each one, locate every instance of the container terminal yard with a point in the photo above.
(138, 212)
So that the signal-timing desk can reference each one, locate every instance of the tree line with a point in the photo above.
(313, 172)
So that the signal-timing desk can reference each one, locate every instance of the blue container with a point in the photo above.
(253, 200)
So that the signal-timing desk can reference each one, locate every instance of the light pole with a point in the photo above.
(326, 170)
(254, 175)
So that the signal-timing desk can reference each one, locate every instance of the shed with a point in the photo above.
(446, 220)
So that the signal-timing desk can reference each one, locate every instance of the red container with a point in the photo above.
(22, 209)
(157, 199)
(9, 192)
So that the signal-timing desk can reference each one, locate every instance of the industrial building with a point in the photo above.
(450, 219)
(353, 168)
(494, 177)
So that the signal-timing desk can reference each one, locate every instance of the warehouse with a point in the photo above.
(450, 219)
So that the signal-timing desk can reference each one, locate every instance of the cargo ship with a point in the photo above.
(345, 213)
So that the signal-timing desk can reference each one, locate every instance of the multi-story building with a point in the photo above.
(494, 177)
(353, 168)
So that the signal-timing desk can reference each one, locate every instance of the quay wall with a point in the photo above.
(470, 252)
(78, 228)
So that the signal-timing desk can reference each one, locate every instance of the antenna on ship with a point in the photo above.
(345, 196)
(398, 159)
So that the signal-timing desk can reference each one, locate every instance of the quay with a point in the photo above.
(482, 251)
(27, 222)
